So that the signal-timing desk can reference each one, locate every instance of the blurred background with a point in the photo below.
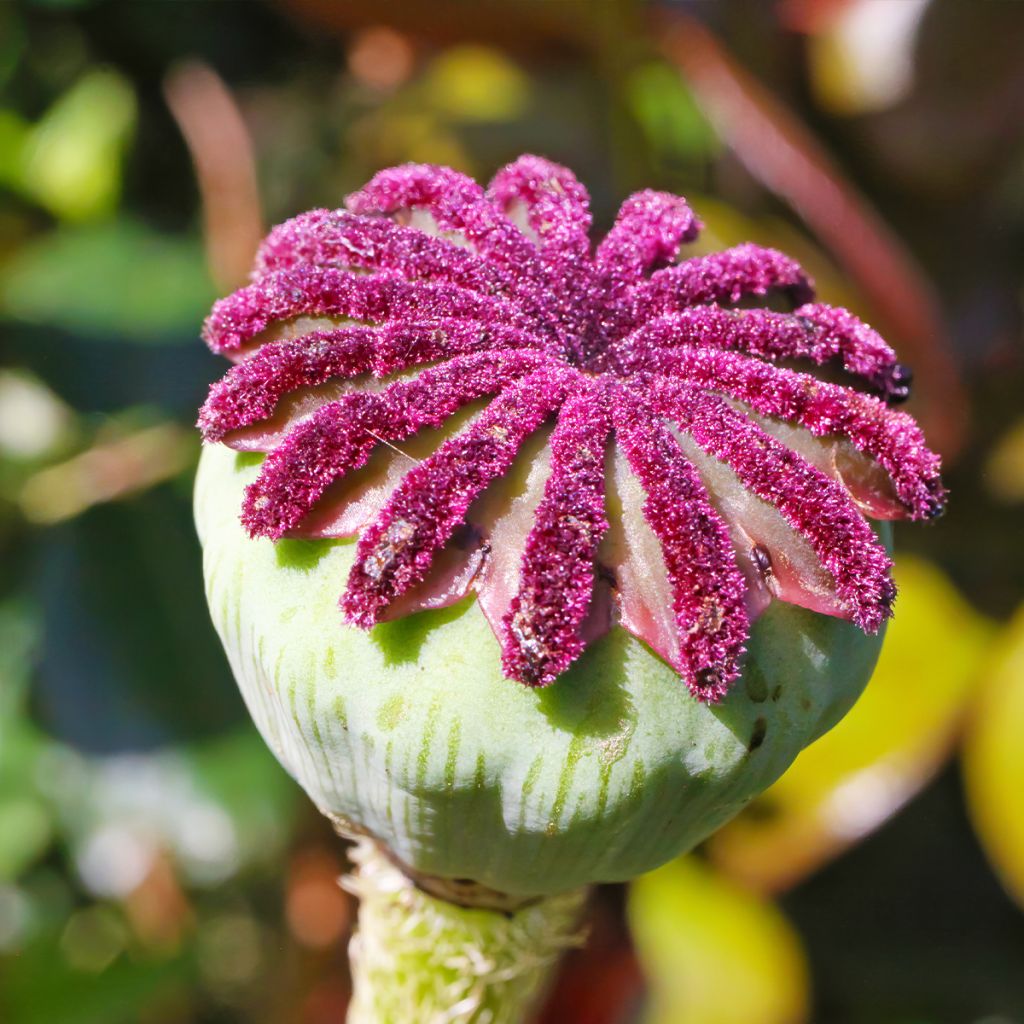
(155, 864)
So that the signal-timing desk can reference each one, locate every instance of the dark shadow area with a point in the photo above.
(400, 641)
(591, 700)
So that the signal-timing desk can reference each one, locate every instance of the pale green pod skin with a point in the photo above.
(411, 732)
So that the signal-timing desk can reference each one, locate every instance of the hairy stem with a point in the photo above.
(417, 957)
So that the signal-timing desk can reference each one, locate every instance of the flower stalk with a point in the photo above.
(420, 957)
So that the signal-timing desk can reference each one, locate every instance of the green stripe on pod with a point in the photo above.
(411, 732)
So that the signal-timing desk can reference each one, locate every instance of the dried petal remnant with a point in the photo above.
(429, 294)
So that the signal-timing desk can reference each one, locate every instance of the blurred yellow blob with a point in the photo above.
(993, 760)
(893, 741)
(713, 952)
(1004, 467)
(476, 83)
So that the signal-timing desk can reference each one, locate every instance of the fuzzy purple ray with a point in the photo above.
(557, 572)
(557, 210)
(311, 291)
(457, 203)
(816, 507)
(624, 336)
(340, 436)
(250, 391)
(557, 205)
(720, 277)
(337, 238)
(396, 551)
(707, 585)
(646, 235)
(893, 439)
(815, 332)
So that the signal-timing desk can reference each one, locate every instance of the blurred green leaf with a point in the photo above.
(993, 760)
(25, 822)
(25, 832)
(45, 989)
(117, 280)
(893, 741)
(12, 45)
(71, 160)
(13, 134)
(20, 741)
(665, 109)
(713, 952)
(19, 633)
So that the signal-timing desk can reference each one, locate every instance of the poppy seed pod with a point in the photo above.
(545, 566)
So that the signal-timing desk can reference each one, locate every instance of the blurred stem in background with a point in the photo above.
(225, 167)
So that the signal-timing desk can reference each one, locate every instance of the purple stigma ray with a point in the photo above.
(401, 346)
(396, 551)
(817, 507)
(337, 238)
(308, 291)
(250, 391)
(558, 212)
(720, 277)
(457, 203)
(557, 205)
(460, 206)
(340, 436)
(646, 235)
(815, 332)
(707, 585)
(542, 625)
(622, 345)
(893, 439)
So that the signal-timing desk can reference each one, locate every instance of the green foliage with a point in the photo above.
(117, 281)
(672, 122)
(70, 161)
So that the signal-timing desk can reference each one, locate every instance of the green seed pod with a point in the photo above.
(411, 734)
(553, 486)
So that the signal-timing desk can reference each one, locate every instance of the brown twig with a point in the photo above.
(222, 153)
(109, 470)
